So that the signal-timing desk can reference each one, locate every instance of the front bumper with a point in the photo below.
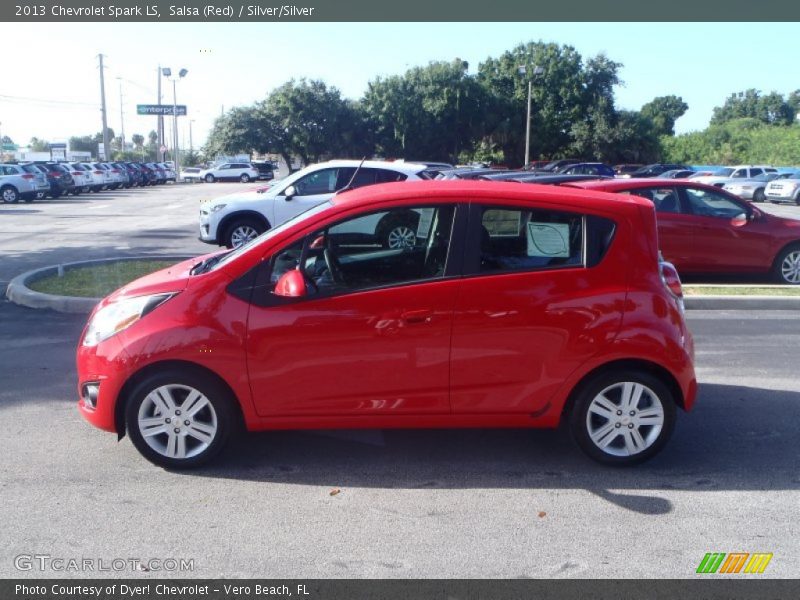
(107, 367)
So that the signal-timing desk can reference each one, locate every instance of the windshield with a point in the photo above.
(270, 233)
(723, 172)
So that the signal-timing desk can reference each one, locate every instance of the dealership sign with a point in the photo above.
(160, 109)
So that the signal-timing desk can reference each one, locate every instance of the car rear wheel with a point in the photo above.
(10, 195)
(209, 178)
(787, 266)
(245, 178)
(179, 419)
(623, 417)
(759, 196)
(242, 231)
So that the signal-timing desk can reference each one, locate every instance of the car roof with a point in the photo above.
(401, 167)
(464, 190)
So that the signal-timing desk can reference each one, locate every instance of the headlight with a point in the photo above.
(217, 207)
(118, 316)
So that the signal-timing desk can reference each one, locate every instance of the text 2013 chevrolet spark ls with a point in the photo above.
(507, 306)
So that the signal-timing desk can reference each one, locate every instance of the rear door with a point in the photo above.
(537, 301)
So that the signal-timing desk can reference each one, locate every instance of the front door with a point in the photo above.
(372, 337)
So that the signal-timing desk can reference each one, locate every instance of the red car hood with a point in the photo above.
(171, 279)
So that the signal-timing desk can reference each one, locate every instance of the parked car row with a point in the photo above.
(39, 179)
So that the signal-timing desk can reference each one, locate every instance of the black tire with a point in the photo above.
(786, 268)
(617, 430)
(209, 178)
(245, 178)
(9, 194)
(218, 415)
(240, 231)
(759, 196)
(398, 230)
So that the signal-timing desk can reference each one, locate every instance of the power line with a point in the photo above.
(8, 98)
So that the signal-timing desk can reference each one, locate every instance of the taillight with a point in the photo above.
(98, 172)
(672, 281)
(27, 176)
(56, 174)
(115, 171)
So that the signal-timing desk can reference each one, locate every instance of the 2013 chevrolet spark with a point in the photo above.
(507, 305)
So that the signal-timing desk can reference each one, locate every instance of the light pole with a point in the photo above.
(191, 145)
(181, 74)
(522, 71)
(121, 118)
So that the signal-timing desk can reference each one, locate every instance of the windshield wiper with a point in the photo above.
(206, 264)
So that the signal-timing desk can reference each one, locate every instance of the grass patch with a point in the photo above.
(98, 280)
(740, 290)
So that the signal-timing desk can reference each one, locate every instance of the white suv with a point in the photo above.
(237, 218)
(243, 172)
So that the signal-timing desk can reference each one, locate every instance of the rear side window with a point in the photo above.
(514, 239)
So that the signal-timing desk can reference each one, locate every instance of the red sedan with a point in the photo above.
(703, 229)
(509, 306)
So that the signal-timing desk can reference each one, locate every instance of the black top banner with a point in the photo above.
(408, 10)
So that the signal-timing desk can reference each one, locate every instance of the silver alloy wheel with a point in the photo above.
(625, 419)
(790, 267)
(10, 195)
(177, 421)
(401, 236)
(245, 178)
(242, 234)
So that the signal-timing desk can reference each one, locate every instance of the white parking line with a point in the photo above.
(96, 206)
(174, 205)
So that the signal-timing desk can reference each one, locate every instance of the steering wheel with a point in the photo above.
(332, 263)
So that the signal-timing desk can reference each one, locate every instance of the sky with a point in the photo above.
(51, 87)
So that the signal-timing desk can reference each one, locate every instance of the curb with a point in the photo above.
(742, 302)
(19, 293)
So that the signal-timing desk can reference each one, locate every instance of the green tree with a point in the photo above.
(569, 99)
(138, 141)
(663, 111)
(432, 113)
(37, 145)
(772, 109)
(85, 143)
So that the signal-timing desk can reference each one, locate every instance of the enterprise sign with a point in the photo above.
(160, 109)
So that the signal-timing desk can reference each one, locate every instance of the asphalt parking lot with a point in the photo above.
(471, 503)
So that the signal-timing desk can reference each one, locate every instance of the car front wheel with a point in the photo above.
(242, 231)
(787, 266)
(245, 178)
(759, 196)
(623, 417)
(179, 419)
(209, 178)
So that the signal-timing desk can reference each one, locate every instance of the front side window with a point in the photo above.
(706, 203)
(525, 239)
(356, 254)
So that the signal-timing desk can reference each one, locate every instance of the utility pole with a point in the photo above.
(121, 118)
(191, 145)
(159, 154)
(106, 145)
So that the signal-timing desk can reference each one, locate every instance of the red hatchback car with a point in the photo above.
(703, 229)
(509, 306)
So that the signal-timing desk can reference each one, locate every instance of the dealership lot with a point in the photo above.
(483, 503)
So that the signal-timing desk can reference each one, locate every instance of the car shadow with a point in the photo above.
(737, 438)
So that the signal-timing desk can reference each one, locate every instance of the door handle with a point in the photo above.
(413, 317)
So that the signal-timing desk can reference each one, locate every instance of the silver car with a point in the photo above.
(21, 181)
(750, 189)
(784, 189)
